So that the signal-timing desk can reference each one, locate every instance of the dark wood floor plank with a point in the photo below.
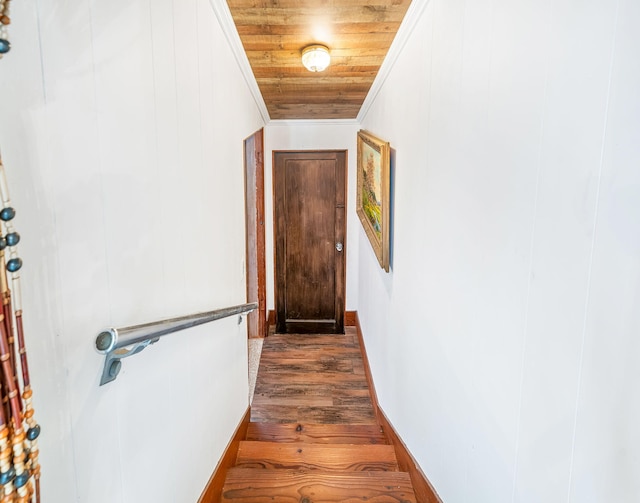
(331, 458)
(275, 391)
(322, 415)
(323, 365)
(351, 414)
(293, 486)
(268, 413)
(312, 353)
(317, 433)
(358, 367)
(311, 378)
(296, 396)
(311, 341)
(301, 395)
(350, 401)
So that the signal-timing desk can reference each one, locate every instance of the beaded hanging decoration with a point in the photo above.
(19, 465)
(5, 20)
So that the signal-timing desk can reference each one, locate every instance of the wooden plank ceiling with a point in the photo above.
(358, 34)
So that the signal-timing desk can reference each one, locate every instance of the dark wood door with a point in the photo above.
(310, 192)
(255, 237)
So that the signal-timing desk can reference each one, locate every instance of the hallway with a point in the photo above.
(313, 434)
(503, 340)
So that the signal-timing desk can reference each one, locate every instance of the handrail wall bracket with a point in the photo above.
(119, 343)
(112, 363)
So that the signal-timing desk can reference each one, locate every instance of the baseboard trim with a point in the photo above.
(213, 490)
(424, 491)
(350, 318)
(367, 370)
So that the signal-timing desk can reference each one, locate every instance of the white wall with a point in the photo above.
(121, 132)
(314, 135)
(504, 342)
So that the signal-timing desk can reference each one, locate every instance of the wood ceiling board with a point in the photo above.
(358, 34)
(338, 55)
(276, 60)
(303, 74)
(363, 13)
(337, 28)
(323, 4)
(299, 112)
(321, 100)
(320, 80)
(348, 41)
(315, 95)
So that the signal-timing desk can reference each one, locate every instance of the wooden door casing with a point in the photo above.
(310, 220)
(255, 234)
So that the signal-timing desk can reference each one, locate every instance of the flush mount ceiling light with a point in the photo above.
(316, 58)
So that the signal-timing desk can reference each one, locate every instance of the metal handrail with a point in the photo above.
(119, 343)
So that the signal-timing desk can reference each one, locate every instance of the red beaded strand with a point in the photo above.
(19, 465)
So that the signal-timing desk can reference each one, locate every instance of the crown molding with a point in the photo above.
(414, 12)
(223, 14)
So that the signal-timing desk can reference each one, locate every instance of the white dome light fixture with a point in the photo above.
(316, 58)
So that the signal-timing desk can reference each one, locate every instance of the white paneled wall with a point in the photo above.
(121, 132)
(504, 341)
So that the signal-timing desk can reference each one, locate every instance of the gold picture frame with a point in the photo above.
(373, 193)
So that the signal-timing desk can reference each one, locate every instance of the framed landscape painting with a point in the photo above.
(372, 200)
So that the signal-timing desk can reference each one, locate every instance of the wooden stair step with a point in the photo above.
(325, 352)
(317, 433)
(335, 414)
(326, 457)
(303, 342)
(245, 485)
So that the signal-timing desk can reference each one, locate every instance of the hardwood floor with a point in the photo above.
(312, 379)
(313, 435)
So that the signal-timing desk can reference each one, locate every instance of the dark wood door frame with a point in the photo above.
(255, 234)
(330, 246)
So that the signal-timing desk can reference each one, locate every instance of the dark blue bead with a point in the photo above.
(5, 46)
(21, 479)
(3, 243)
(14, 264)
(33, 433)
(7, 476)
(7, 214)
(13, 238)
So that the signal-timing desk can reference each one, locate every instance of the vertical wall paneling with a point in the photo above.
(502, 341)
(121, 154)
(605, 452)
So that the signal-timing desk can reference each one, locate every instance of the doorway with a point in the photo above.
(310, 248)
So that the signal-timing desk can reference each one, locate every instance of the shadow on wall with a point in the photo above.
(392, 186)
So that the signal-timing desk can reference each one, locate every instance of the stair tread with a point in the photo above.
(335, 414)
(245, 485)
(327, 457)
(317, 433)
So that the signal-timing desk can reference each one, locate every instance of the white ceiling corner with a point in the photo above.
(414, 12)
(223, 14)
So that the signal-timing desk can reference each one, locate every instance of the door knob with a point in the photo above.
(339, 246)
